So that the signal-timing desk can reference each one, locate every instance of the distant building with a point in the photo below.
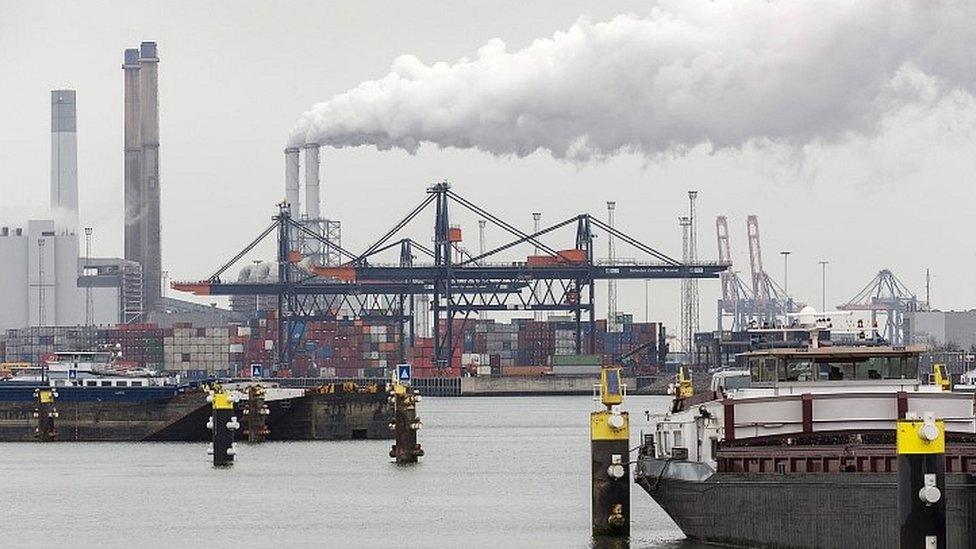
(957, 328)
(261, 272)
(44, 281)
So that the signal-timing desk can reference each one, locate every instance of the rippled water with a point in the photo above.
(499, 472)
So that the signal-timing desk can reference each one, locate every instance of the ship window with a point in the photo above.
(91, 383)
(910, 367)
(106, 384)
(137, 384)
(713, 447)
(798, 370)
(835, 371)
(754, 369)
(769, 369)
(121, 383)
(679, 440)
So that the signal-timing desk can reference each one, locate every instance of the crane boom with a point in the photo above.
(759, 288)
(724, 255)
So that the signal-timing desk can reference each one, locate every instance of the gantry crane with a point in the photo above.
(769, 298)
(554, 280)
(886, 295)
(737, 300)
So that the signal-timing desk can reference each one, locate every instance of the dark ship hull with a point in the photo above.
(180, 415)
(808, 510)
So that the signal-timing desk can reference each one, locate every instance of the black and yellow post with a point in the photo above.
(45, 413)
(610, 456)
(222, 423)
(256, 414)
(405, 423)
(921, 483)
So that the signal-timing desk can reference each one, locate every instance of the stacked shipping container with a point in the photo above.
(140, 344)
(344, 347)
(197, 351)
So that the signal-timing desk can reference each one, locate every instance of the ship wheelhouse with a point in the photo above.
(824, 365)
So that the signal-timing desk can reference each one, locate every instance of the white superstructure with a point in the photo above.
(799, 392)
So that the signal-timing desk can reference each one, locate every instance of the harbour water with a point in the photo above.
(499, 472)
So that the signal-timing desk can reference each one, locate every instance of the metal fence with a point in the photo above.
(433, 386)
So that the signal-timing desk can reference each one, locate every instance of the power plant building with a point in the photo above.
(955, 328)
(45, 279)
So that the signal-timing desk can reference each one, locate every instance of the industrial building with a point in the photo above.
(46, 281)
(956, 329)
(40, 279)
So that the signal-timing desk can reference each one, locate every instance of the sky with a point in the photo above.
(850, 147)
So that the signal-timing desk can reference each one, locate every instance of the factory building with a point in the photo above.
(944, 328)
(253, 305)
(45, 280)
(46, 283)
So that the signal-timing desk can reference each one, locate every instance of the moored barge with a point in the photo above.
(95, 401)
(799, 450)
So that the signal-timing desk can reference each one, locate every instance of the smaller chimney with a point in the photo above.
(292, 168)
(64, 161)
(312, 181)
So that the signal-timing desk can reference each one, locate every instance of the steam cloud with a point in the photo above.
(721, 73)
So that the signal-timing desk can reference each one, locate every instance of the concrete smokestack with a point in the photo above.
(291, 181)
(64, 162)
(312, 210)
(132, 188)
(149, 132)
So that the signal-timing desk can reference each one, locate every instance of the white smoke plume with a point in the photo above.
(722, 73)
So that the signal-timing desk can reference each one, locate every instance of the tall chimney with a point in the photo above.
(149, 132)
(312, 181)
(132, 188)
(64, 162)
(291, 181)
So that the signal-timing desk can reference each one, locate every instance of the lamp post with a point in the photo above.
(786, 278)
(823, 285)
(89, 308)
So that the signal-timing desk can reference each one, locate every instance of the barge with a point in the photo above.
(798, 451)
(95, 401)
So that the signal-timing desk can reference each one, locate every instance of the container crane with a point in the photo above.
(458, 284)
(886, 295)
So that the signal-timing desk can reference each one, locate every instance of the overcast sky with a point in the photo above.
(865, 190)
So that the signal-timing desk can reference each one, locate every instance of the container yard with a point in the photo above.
(349, 348)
